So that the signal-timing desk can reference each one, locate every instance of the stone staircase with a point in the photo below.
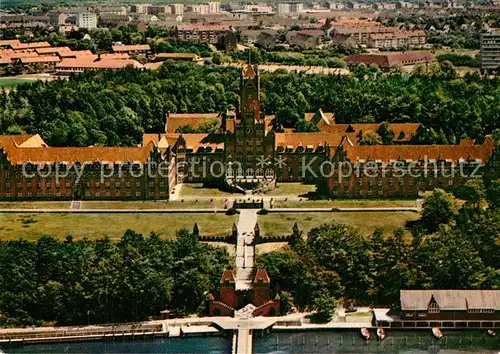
(245, 249)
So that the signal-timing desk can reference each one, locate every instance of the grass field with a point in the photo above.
(9, 83)
(197, 190)
(292, 189)
(93, 226)
(281, 223)
(343, 203)
(35, 205)
(191, 204)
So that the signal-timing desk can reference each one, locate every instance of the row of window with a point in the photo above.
(41, 184)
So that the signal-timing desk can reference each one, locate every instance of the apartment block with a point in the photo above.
(490, 51)
(86, 20)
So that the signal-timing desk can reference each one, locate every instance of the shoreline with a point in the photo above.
(196, 328)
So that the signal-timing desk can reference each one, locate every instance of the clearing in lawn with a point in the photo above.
(94, 226)
(280, 224)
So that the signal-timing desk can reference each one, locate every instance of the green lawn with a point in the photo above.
(92, 226)
(281, 223)
(291, 189)
(197, 190)
(343, 203)
(35, 205)
(10, 83)
(191, 204)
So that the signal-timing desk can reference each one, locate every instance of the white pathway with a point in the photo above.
(245, 249)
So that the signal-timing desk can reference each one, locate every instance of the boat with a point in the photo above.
(492, 332)
(437, 333)
(380, 334)
(366, 333)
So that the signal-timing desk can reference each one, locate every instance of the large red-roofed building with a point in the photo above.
(243, 153)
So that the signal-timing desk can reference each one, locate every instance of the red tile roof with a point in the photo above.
(391, 59)
(51, 50)
(450, 299)
(70, 155)
(227, 277)
(75, 54)
(193, 120)
(387, 153)
(261, 276)
(90, 62)
(294, 140)
(197, 27)
(41, 59)
(33, 45)
(403, 132)
(197, 141)
(132, 48)
(21, 149)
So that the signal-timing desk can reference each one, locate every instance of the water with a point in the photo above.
(212, 345)
(420, 341)
(404, 342)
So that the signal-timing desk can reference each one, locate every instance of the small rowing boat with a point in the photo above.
(492, 332)
(366, 333)
(380, 334)
(437, 333)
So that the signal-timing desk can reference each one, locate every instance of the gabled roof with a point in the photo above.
(21, 149)
(320, 118)
(227, 277)
(193, 120)
(248, 71)
(197, 141)
(402, 131)
(261, 276)
(419, 300)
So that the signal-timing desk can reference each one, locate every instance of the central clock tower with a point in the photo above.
(249, 147)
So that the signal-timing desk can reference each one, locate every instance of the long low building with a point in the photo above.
(446, 308)
(390, 60)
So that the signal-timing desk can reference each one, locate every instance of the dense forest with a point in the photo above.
(75, 282)
(115, 108)
(451, 248)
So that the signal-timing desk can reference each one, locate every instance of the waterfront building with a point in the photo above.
(450, 308)
(257, 300)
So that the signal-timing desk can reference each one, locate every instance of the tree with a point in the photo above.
(325, 306)
(493, 194)
(371, 138)
(438, 208)
(386, 134)
(473, 191)
(217, 58)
